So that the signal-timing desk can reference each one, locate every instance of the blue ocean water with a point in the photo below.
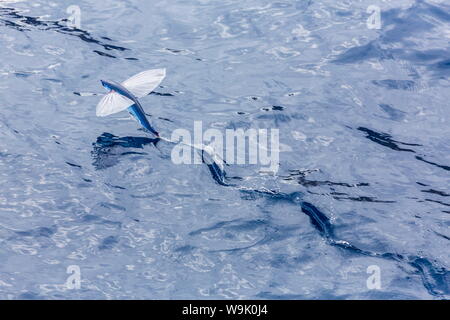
(364, 176)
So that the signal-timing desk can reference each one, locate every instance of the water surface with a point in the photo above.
(364, 112)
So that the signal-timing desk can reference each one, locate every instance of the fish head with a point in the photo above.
(107, 85)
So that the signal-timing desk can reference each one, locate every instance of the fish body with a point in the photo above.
(135, 109)
(125, 96)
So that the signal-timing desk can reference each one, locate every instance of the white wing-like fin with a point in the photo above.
(144, 82)
(112, 103)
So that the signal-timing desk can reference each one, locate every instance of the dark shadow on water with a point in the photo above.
(447, 168)
(399, 25)
(301, 179)
(386, 140)
(13, 18)
(435, 279)
(108, 149)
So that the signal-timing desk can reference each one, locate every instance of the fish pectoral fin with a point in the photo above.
(144, 82)
(111, 103)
